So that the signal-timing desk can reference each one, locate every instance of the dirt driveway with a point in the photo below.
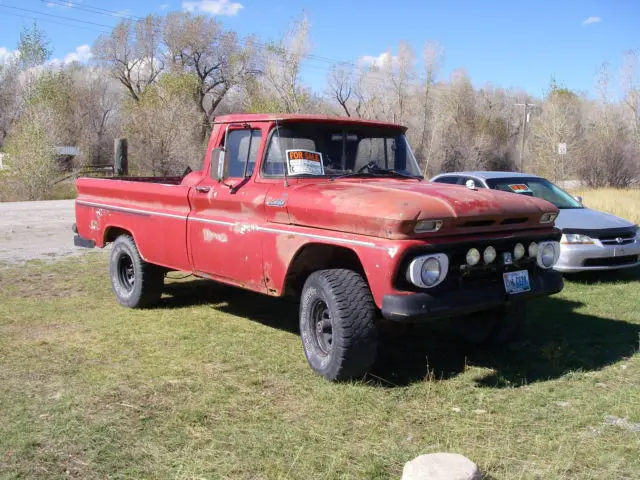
(36, 230)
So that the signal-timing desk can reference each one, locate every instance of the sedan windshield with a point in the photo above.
(535, 187)
(319, 149)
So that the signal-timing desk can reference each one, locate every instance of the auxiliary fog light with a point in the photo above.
(473, 256)
(489, 255)
(518, 251)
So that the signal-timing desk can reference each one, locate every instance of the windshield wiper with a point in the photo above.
(375, 171)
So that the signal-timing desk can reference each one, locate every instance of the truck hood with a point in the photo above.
(586, 219)
(390, 208)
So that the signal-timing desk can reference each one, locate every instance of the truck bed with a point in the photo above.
(155, 209)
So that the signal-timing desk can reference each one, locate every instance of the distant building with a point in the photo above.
(65, 156)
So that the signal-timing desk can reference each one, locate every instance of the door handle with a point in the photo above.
(202, 189)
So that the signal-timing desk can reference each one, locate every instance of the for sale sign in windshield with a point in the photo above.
(304, 162)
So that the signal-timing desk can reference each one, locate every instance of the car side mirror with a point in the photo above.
(578, 199)
(218, 164)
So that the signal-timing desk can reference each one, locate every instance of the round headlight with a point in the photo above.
(489, 254)
(431, 270)
(473, 256)
(548, 255)
(533, 249)
(518, 251)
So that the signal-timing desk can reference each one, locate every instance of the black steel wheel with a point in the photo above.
(135, 283)
(337, 324)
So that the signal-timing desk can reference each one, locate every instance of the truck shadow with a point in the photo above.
(557, 339)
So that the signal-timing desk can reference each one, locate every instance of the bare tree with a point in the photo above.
(432, 57)
(163, 127)
(132, 53)
(340, 86)
(201, 46)
(10, 97)
(630, 77)
(282, 64)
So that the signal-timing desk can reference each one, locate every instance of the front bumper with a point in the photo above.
(426, 306)
(596, 256)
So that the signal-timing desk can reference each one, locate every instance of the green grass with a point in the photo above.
(214, 384)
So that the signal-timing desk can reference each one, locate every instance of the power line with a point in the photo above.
(57, 16)
(374, 75)
(112, 13)
(52, 21)
(92, 9)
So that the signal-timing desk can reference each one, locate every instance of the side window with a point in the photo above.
(449, 180)
(242, 150)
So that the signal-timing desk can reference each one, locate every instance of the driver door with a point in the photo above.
(223, 225)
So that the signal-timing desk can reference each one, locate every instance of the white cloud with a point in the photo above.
(7, 55)
(61, 4)
(213, 7)
(164, 6)
(382, 59)
(591, 20)
(81, 55)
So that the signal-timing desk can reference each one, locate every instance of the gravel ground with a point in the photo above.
(36, 230)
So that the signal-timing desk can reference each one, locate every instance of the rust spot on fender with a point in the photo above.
(210, 236)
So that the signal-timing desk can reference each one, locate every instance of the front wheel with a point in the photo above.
(497, 326)
(337, 324)
(135, 283)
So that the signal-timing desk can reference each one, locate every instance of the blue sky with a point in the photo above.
(507, 43)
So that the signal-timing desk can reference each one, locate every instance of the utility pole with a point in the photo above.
(525, 109)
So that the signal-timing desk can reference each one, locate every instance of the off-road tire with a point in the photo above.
(495, 327)
(135, 283)
(346, 299)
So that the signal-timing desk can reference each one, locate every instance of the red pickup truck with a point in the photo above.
(335, 212)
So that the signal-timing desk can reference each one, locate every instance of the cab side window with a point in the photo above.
(241, 152)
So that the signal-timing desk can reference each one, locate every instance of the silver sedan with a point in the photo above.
(591, 240)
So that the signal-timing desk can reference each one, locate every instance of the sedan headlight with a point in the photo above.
(548, 253)
(575, 239)
(427, 271)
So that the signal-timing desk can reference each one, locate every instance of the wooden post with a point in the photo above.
(120, 157)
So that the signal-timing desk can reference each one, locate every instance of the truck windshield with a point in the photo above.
(318, 149)
(535, 187)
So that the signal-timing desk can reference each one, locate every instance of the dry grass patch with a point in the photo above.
(624, 203)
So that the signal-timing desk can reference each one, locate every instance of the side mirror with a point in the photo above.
(218, 166)
(578, 199)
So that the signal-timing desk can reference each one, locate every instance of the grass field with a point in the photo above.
(622, 202)
(213, 384)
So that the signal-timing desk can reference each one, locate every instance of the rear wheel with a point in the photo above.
(497, 326)
(135, 283)
(337, 324)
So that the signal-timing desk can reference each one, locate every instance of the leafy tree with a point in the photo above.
(34, 47)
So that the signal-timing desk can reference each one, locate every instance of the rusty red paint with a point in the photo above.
(249, 236)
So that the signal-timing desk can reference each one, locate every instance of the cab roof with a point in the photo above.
(298, 117)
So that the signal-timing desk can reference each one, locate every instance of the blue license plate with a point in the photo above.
(516, 282)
